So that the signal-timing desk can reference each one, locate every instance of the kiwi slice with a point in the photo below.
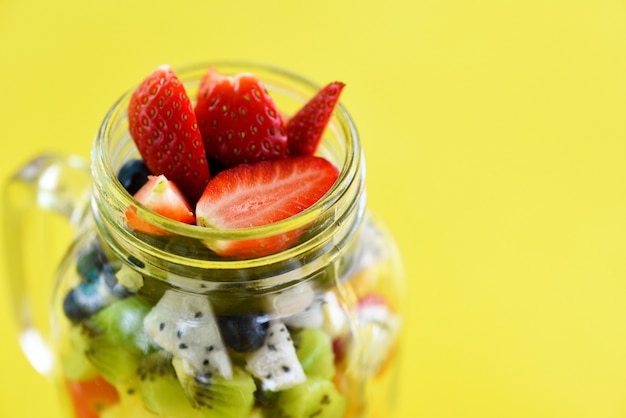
(215, 396)
(129, 406)
(118, 341)
(115, 364)
(159, 388)
(76, 365)
(122, 322)
(316, 397)
(314, 349)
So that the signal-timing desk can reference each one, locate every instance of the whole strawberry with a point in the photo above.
(238, 120)
(164, 127)
(306, 127)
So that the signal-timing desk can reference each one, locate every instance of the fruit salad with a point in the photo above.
(228, 159)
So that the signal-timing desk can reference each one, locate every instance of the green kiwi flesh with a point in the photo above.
(76, 364)
(215, 396)
(160, 389)
(316, 397)
(314, 349)
(117, 342)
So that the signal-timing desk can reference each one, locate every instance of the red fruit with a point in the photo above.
(372, 299)
(164, 127)
(238, 120)
(305, 128)
(258, 194)
(90, 397)
(163, 197)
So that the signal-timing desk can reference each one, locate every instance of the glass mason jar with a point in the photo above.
(146, 326)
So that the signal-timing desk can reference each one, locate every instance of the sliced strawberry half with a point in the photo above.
(163, 197)
(238, 120)
(251, 195)
(306, 127)
(163, 125)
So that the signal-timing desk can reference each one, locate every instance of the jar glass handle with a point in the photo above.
(34, 197)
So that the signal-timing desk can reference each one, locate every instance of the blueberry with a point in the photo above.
(83, 301)
(243, 333)
(94, 268)
(71, 308)
(89, 263)
(133, 175)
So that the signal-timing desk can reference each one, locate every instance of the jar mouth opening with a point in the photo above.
(114, 146)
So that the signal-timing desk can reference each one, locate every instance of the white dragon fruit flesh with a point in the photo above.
(185, 326)
(276, 363)
(324, 312)
(311, 316)
(290, 301)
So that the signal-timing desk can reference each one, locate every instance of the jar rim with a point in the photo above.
(110, 196)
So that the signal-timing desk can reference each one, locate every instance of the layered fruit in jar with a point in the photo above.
(139, 346)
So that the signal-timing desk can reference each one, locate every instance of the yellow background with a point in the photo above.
(495, 138)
